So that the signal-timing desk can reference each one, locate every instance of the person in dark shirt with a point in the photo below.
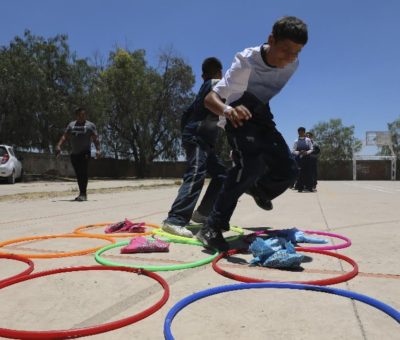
(199, 136)
(81, 134)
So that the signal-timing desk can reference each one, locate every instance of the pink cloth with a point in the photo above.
(126, 227)
(142, 244)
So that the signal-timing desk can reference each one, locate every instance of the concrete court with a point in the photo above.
(367, 212)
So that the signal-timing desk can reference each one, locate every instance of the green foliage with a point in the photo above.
(40, 84)
(144, 105)
(337, 142)
(136, 107)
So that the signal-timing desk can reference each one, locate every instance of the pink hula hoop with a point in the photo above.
(345, 244)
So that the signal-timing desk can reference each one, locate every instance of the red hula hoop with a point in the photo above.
(326, 282)
(21, 259)
(78, 332)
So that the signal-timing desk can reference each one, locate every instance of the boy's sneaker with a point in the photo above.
(263, 203)
(212, 239)
(199, 218)
(81, 198)
(176, 230)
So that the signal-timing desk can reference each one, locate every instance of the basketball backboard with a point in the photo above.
(378, 138)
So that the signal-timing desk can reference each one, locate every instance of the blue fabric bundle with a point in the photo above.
(295, 235)
(274, 252)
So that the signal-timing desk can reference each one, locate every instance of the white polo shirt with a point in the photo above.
(250, 73)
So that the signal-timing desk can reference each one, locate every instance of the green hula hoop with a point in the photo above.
(105, 262)
(194, 241)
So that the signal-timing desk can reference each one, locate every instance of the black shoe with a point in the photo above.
(81, 198)
(212, 239)
(197, 217)
(263, 203)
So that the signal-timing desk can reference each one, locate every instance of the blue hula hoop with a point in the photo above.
(221, 289)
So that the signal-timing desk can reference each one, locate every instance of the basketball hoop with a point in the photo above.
(380, 139)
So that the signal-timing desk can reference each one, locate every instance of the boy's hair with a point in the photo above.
(301, 129)
(210, 67)
(291, 28)
(79, 110)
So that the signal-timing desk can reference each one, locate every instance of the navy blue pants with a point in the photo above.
(201, 160)
(305, 177)
(80, 163)
(263, 164)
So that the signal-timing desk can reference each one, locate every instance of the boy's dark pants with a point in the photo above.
(80, 163)
(263, 163)
(305, 179)
(201, 159)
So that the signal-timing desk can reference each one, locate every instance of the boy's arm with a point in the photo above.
(310, 145)
(294, 150)
(214, 103)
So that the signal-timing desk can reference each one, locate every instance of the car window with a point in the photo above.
(11, 151)
(2, 151)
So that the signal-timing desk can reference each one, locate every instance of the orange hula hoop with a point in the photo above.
(55, 255)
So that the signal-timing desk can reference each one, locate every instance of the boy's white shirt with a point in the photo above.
(249, 72)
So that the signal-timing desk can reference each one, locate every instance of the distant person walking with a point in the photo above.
(81, 134)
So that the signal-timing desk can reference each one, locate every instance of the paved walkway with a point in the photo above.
(366, 212)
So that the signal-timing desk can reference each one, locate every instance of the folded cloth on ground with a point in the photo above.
(126, 226)
(142, 244)
(274, 252)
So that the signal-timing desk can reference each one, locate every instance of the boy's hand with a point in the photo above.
(237, 115)
(58, 151)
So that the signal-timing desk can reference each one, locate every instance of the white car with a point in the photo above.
(10, 166)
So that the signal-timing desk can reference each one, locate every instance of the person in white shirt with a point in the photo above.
(256, 75)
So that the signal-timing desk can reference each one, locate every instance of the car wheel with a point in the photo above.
(11, 178)
(21, 176)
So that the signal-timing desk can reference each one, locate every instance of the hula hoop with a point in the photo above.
(105, 262)
(346, 244)
(21, 259)
(193, 241)
(113, 235)
(55, 255)
(222, 289)
(326, 282)
(78, 332)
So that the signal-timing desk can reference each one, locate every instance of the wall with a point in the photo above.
(46, 164)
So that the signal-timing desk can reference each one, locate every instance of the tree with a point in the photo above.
(41, 82)
(145, 104)
(394, 129)
(337, 142)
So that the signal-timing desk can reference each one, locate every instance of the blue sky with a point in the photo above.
(349, 69)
